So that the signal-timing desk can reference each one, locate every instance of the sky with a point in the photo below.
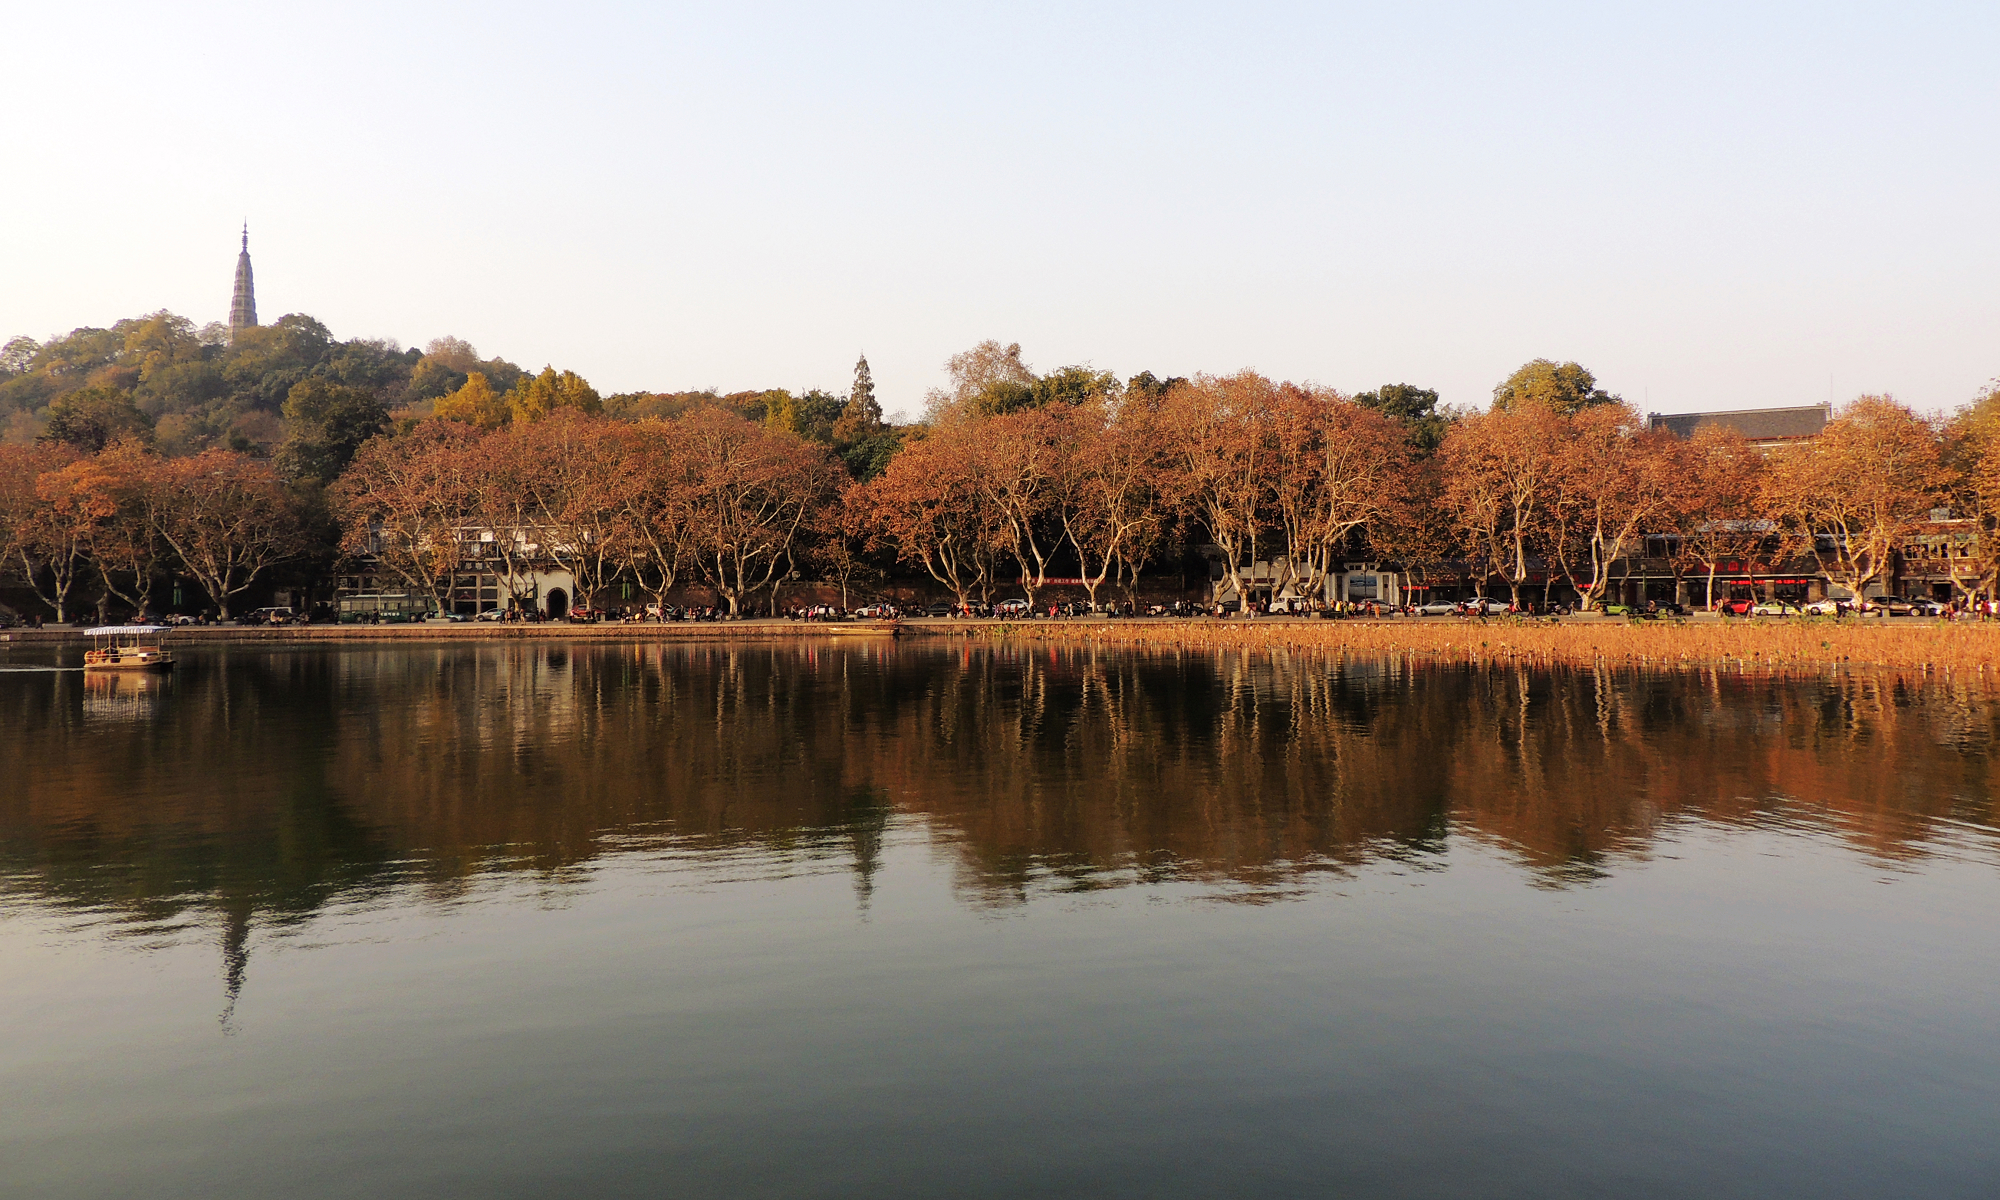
(1709, 205)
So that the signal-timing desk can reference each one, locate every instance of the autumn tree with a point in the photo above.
(126, 547)
(52, 508)
(475, 403)
(405, 502)
(840, 538)
(1613, 480)
(1715, 510)
(755, 491)
(502, 506)
(1411, 533)
(928, 507)
(227, 518)
(656, 491)
(1110, 498)
(1335, 468)
(535, 399)
(577, 482)
(1972, 458)
(1853, 495)
(1214, 427)
(1021, 451)
(1498, 468)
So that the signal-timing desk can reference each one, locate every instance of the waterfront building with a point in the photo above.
(519, 573)
(1943, 561)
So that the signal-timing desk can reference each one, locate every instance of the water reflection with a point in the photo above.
(258, 786)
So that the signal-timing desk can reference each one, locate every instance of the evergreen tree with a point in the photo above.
(860, 437)
(861, 417)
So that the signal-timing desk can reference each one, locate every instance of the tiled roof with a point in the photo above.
(1756, 424)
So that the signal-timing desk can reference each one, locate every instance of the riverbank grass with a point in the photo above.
(1807, 643)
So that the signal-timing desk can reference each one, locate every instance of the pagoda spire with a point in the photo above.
(243, 305)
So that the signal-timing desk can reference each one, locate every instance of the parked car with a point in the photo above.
(453, 618)
(1016, 607)
(1887, 606)
(279, 615)
(1826, 608)
(1437, 608)
(875, 612)
(1775, 608)
(1927, 608)
(1734, 608)
(942, 608)
(583, 616)
(492, 614)
(1488, 607)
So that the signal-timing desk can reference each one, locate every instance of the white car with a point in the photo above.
(1437, 608)
(1011, 608)
(1775, 608)
(1484, 608)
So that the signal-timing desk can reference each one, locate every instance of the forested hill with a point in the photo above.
(181, 389)
(187, 389)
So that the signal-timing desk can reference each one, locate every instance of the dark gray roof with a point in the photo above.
(1756, 424)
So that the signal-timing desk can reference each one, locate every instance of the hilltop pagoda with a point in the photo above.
(243, 305)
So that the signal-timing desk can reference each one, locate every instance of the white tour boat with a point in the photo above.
(124, 648)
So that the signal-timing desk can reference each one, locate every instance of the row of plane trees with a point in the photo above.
(992, 494)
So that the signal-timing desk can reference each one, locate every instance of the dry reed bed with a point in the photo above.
(1972, 649)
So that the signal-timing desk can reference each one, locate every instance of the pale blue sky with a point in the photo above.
(1710, 205)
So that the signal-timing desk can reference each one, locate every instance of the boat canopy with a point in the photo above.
(114, 630)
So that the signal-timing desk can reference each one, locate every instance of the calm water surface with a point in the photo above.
(902, 920)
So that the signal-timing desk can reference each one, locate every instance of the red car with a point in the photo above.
(1735, 608)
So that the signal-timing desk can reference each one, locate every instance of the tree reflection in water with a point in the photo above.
(255, 787)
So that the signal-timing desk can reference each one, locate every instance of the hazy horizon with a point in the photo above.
(1717, 207)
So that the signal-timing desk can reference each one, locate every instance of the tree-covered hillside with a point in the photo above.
(185, 389)
(179, 389)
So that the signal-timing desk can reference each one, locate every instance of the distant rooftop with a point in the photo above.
(1757, 425)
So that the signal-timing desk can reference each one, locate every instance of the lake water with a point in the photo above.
(912, 919)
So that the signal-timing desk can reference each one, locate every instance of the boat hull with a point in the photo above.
(130, 662)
